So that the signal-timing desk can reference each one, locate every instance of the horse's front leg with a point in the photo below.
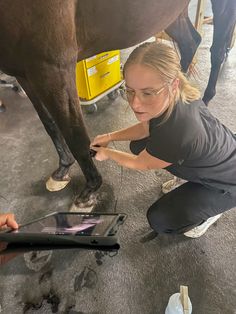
(60, 177)
(55, 86)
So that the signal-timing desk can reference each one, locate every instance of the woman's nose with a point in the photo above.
(136, 103)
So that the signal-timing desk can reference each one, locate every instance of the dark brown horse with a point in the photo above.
(188, 39)
(40, 43)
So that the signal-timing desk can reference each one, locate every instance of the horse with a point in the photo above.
(40, 44)
(188, 39)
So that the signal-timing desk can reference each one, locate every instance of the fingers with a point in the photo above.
(101, 140)
(11, 222)
(96, 148)
(8, 220)
(100, 153)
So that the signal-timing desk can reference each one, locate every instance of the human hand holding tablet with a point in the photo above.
(65, 229)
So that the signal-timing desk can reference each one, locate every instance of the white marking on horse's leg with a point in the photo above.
(77, 209)
(85, 207)
(54, 185)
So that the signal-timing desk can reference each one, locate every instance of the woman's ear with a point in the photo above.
(175, 84)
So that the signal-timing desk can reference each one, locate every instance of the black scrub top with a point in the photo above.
(200, 148)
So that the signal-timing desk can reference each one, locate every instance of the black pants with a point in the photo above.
(186, 206)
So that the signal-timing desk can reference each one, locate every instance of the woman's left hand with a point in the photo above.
(101, 153)
(8, 220)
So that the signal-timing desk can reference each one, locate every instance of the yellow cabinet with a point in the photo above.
(98, 74)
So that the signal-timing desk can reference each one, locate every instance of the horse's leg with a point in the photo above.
(60, 178)
(224, 13)
(188, 39)
(55, 87)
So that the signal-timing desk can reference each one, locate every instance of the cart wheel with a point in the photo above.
(91, 108)
(113, 95)
(15, 88)
(2, 107)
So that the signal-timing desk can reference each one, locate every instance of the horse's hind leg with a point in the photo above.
(60, 178)
(224, 22)
(54, 85)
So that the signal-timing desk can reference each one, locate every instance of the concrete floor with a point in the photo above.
(146, 270)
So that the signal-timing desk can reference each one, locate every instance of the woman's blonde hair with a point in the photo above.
(165, 60)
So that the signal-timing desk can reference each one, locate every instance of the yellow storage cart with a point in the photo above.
(97, 77)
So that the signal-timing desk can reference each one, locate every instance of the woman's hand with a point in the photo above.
(101, 153)
(8, 220)
(101, 140)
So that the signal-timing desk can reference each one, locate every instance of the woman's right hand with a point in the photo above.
(101, 140)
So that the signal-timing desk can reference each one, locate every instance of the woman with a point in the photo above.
(7, 220)
(178, 133)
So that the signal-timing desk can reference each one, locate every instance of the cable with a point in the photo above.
(121, 182)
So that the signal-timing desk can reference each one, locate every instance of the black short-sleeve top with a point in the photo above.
(200, 148)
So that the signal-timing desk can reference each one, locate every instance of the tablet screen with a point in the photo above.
(71, 224)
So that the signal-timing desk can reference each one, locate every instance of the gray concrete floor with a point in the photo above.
(145, 272)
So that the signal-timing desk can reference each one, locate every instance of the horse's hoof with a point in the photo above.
(84, 206)
(54, 185)
(76, 209)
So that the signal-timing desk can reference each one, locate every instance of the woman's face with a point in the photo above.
(147, 94)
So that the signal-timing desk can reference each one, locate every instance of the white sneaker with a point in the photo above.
(172, 184)
(201, 229)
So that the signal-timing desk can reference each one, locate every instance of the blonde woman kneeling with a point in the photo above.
(177, 132)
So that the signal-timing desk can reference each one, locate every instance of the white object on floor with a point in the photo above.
(201, 229)
(36, 260)
(179, 303)
(172, 184)
(54, 185)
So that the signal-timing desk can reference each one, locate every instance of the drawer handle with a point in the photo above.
(104, 75)
(104, 56)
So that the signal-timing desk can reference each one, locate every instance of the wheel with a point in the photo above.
(15, 88)
(113, 95)
(2, 107)
(91, 108)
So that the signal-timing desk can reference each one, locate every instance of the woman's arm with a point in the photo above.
(143, 161)
(135, 132)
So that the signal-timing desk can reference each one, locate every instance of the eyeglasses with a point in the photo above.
(145, 96)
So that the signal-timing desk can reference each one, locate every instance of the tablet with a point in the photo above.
(65, 228)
